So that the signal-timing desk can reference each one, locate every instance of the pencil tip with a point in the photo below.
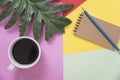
(83, 9)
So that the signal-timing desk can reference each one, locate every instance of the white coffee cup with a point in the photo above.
(14, 63)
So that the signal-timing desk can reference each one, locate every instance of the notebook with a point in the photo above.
(86, 30)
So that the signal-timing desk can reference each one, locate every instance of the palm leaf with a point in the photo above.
(16, 14)
(3, 2)
(41, 12)
(37, 24)
(12, 6)
(26, 19)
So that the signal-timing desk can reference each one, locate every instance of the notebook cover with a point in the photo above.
(86, 29)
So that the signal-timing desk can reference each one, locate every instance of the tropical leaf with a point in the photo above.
(3, 2)
(40, 11)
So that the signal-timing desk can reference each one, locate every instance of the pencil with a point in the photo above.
(101, 30)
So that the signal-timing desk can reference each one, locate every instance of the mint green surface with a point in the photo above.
(93, 65)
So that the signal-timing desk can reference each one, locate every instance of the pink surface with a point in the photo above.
(49, 67)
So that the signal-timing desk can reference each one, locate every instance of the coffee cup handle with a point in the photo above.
(10, 68)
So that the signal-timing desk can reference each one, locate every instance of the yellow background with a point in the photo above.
(108, 10)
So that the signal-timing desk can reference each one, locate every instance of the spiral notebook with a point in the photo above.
(86, 30)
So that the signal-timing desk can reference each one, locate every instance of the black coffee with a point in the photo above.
(25, 51)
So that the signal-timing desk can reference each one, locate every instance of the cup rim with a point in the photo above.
(14, 62)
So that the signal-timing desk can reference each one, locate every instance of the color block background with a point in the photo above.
(84, 60)
(107, 10)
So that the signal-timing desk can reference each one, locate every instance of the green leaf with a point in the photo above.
(54, 24)
(37, 24)
(16, 15)
(26, 19)
(41, 11)
(12, 6)
(3, 2)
